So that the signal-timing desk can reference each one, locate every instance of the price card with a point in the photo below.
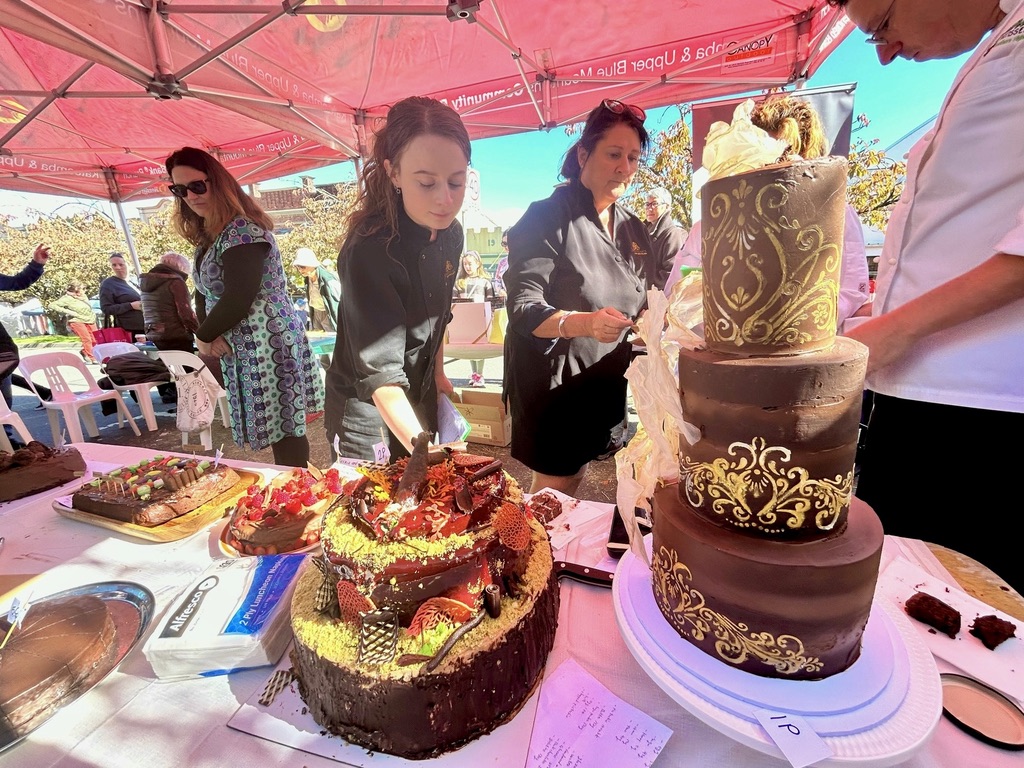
(381, 453)
(580, 723)
(794, 736)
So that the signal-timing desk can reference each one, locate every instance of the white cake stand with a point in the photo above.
(877, 713)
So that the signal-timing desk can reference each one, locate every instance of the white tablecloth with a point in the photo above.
(132, 720)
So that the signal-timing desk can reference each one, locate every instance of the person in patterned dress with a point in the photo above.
(244, 309)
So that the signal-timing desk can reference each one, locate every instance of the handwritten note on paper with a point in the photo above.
(581, 723)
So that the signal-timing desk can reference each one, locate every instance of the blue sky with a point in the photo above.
(515, 170)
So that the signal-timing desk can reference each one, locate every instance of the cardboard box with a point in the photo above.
(489, 422)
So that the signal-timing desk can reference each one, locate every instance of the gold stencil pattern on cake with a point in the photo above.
(756, 489)
(768, 279)
(735, 642)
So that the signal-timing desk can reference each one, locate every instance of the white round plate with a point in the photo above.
(220, 531)
(861, 697)
(912, 707)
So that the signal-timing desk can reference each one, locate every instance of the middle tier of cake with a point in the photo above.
(778, 438)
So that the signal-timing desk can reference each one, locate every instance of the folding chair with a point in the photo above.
(70, 403)
(143, 390)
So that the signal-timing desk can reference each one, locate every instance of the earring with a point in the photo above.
(398, 191)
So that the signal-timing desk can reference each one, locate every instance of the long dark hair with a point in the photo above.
(227, 200)
(598, 122)
(377, 205)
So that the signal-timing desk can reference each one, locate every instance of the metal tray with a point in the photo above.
(131, 607)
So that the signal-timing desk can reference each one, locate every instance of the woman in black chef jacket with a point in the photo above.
(579, 267)
(397, 268)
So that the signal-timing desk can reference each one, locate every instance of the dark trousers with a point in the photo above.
(947, 474)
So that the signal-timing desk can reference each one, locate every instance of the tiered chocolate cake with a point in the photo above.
(428, 619)
(762, 556)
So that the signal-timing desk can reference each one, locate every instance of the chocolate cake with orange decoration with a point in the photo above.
(428, 618)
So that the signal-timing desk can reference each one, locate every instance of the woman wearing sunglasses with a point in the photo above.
(397, 268)
(579, 269)
(244, 309)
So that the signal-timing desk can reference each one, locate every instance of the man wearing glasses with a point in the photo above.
(667, 234)
(946, 331)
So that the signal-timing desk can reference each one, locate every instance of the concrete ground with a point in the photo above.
(599, 484)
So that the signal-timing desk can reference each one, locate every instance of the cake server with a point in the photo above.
(587, 574)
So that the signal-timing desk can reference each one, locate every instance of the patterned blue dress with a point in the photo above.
(272, 378)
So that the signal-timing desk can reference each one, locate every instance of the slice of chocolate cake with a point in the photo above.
(992, 630)
(933, 612)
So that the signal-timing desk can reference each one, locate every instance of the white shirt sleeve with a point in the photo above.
(688, 256)
(853, 272)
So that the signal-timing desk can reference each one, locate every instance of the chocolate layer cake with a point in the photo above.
(36, 468)
(429, 617)
(155, 491)
(762, 557)
(62, 648)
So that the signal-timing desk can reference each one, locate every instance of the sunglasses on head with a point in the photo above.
(195, 187)
(616, 107)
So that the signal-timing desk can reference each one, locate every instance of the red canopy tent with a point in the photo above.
(93, 95)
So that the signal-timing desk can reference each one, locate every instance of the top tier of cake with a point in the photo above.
(772, 247)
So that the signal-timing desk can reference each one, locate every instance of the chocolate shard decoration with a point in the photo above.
(378, 636)
(415, 475)
(278, 681)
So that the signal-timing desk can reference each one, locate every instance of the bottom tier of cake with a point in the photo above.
(407, 711)
(791, 610)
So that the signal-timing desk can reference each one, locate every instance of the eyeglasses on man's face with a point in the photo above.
(877, 35)
(195, 187)
(617, 107)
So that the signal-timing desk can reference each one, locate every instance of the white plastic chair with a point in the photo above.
(177, 363)
(7, 416)
(469, 332)
(70, 403)
(143, 390)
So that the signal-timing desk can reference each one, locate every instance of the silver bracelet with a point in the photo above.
(561, 324)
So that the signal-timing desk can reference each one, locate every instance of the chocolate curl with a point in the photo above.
(415, 475)
(452, 640)
(483, 472)
(277, 683)
(492, 600)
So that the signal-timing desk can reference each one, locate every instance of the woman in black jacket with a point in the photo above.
(579, 267)
(397, 269)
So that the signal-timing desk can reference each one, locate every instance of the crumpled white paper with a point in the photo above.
(652, 457)
(732, 148)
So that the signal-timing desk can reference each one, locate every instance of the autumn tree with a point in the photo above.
(323, 231)
(875, 183)
(669, 165)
